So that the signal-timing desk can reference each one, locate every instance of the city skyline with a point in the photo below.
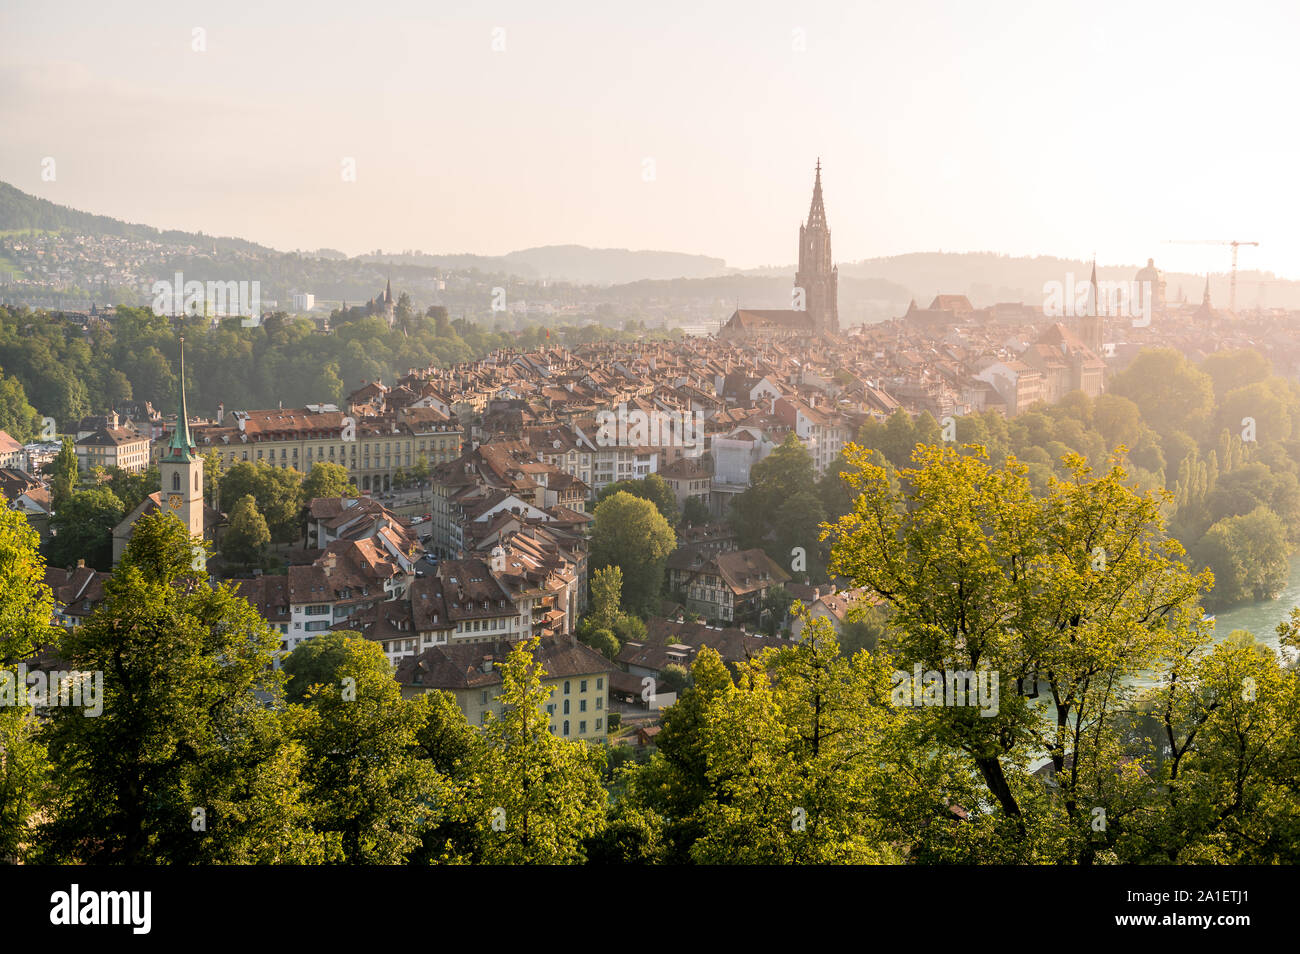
(939, 128)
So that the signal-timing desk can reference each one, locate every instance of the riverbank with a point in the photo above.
(1261, 617)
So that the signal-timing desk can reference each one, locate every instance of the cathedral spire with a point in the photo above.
(1096, 300)
(181, 445)
(817, 211)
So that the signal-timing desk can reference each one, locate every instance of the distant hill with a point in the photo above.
(870, 290)
(609, 266)
(20, 211)
(573, 263)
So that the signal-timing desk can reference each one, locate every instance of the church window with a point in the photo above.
(176, 480)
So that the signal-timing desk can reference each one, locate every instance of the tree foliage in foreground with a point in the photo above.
(804, 753)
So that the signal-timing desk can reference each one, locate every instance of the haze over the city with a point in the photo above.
(1018, 127)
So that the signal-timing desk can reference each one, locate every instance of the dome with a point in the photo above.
(1150, 273)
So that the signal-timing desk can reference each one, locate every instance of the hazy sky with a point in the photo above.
(1022, 127)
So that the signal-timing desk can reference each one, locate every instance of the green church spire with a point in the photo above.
(181, 446)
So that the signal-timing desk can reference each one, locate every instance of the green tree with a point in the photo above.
(630, 533)
(64, 473)
(17, 417)
(797, 523)
(606, 596)
(280, 499)
(131, 488)
(83, 528)
(628, 628)
(1079, 590)
(1248, 555)
(213, 469)
(695, 512)
(420, 470)
(1171, 393)
(776, 604)
(1225, 761)
(603, 641)
(794, 759)
(328, 386)
(1118, 419)
(784, 474)
(186, 764)
(246, 539)
(534, 798)
(371, 791)
(653, 488)
(26, 606)
(277, 490)
(673, 678)
(454, 748)
(1234, 369)
(674, 785)
(239, 480)
(314, 661)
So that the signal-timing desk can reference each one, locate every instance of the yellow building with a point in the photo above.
(372, 449)
(576, 675)
(114, 447)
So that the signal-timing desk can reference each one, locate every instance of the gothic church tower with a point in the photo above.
(817, 274)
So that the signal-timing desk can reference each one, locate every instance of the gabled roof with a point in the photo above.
(463, 667)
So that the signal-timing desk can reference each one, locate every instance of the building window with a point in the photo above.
(582, 728)
(566, 726)
(582, 705)
(566, 687)
(582, 686)
(566, 706)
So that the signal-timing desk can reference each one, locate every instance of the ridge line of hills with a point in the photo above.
(887, 282)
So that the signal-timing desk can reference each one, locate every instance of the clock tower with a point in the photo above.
(181, 471)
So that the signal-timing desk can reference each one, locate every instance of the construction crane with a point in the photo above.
(1232, 294)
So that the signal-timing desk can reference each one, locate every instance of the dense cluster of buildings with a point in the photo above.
(512, 450)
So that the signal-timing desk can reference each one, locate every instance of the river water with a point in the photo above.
(1262, 618)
